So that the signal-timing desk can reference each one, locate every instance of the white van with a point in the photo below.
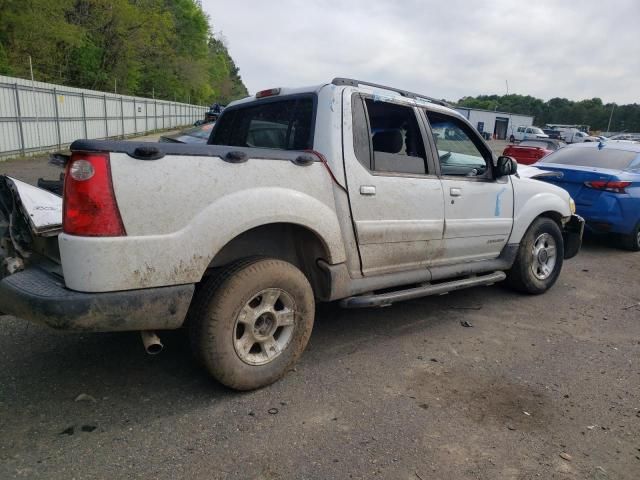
(527, 133)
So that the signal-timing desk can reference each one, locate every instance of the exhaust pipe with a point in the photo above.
(151, 342)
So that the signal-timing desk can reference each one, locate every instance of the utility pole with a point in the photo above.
(610, 117)
(33, 93)
(507, 82)
(31, 69)
(115, 85)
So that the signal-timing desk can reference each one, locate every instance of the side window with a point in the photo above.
(520, 129)
(457, 149)
(396, 140)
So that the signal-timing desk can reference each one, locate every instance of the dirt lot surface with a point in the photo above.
(539, 387)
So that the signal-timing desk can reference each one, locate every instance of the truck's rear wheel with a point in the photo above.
(252, 321)
(539, 259)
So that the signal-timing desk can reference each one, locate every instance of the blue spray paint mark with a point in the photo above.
(499, 201)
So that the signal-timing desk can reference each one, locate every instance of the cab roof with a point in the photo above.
(363, 86)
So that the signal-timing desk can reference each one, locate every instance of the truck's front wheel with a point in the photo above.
(252, 321)
(539, 260)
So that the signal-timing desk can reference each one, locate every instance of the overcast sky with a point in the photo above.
(444, 49)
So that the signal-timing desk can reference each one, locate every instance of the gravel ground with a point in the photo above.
(539, 387)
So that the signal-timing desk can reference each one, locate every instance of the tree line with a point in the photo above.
(563, 111)
(161, 48)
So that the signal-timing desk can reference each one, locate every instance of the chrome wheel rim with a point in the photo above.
(264, 327)
(638, 238)
(544, 254)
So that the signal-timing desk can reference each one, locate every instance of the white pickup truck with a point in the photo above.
(347, 191)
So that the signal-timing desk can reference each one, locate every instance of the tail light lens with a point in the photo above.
(609, 186)
(89, 204)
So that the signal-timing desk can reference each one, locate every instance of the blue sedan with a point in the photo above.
(604, 180)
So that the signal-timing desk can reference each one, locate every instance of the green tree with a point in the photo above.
(590, 112)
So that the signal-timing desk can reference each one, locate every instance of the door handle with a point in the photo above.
(455, 192)
(367, 190)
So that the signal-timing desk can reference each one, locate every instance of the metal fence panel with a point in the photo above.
(37, 116)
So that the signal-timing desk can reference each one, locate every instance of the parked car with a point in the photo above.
(604, 181)
(626, 137)
(343, 195)
(198, 134)
(213, 113)
(527, 133)
(553, 133)
(530, 151)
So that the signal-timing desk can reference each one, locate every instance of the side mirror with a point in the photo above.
(506, 166)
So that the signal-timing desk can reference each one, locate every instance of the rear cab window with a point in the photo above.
(284, 123)
(594, 157)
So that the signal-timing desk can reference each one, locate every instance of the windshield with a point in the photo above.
(537, 131)
(592, 157)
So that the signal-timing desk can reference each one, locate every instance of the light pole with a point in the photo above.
(610, 117)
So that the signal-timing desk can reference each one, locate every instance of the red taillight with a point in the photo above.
(611, 186)
(268, 93)
(89, 204)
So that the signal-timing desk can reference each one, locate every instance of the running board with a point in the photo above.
(385, 299)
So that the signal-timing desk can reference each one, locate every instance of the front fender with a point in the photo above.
(532, 199)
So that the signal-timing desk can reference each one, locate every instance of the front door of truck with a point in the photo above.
(396, 199)
(478, 207)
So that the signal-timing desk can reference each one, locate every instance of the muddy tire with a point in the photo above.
(539, 259)
(251, 322)
(631, 242)
(512, 139)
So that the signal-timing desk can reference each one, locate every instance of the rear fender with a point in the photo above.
(123, 263)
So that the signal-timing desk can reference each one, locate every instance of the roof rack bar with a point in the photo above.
(354, 83)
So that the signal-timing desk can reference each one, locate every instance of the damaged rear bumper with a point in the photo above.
(37, 295)
(572, 235)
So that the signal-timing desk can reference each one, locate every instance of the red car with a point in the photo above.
(530, 151)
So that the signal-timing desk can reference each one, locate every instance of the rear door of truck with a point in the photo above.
(396, 199)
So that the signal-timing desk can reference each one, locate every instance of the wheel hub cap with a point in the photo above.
(544, 256)
(264, 327)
